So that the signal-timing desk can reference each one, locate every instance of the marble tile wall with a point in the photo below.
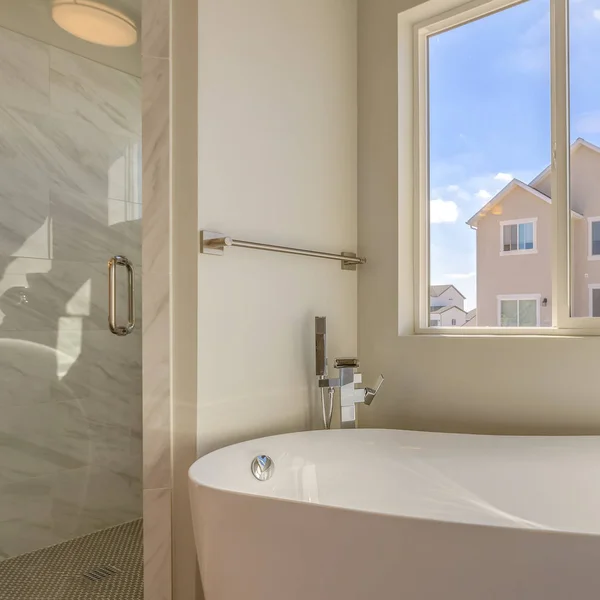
(70, 197)
(157, 305)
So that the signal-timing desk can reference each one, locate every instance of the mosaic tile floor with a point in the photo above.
(105, 565)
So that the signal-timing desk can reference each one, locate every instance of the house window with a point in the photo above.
(594, 238)
(453, 322)
(518, 236)
(518, 311)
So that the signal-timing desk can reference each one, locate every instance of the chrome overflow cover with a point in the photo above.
(262, 467)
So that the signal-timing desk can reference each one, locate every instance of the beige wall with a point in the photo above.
(277, 164)
(508, 274)
(524, 385)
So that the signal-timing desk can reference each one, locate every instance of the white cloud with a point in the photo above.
(460, 275)
(453, 188)
(483, 195)
(443, 211)
(596, 14)
(503, 177)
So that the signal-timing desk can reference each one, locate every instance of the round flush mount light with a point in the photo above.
(94, 22)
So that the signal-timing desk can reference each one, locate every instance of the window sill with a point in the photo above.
(502, 332)
(519, 252)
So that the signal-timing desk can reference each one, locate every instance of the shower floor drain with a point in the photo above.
(100, 573)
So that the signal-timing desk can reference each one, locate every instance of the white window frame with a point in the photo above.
(516, 252)
(503, 297)
(591, 256)
(433, 18)
(591, 288)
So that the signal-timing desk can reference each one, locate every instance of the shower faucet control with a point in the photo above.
(349, 382)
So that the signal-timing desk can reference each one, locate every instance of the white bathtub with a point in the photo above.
(400, 515)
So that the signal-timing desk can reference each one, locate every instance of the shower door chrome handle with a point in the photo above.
(113, 263)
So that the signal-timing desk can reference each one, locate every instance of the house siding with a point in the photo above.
(585, 199)
(450, 297)
(500, 275)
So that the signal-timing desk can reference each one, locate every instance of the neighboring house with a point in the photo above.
(514, 245)
(446, 306)
(471, 318)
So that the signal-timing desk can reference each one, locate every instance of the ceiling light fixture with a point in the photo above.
(94, 22)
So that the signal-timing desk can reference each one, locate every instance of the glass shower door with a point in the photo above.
(70, 390)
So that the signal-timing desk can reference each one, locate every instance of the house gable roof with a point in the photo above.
(503, 193)
(501, 196)
(437, 290)
(470, 320)
(438, 310)
(576, 145)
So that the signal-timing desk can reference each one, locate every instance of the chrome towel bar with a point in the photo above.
(212, 242)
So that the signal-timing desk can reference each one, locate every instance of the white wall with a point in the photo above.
(525, 385)
(277, 164)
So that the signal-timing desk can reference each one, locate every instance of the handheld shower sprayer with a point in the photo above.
(321, 367)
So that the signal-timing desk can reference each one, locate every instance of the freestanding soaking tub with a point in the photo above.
(400, 515)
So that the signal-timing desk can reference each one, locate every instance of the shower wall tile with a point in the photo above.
(41, 440)
(93, 498)
(72, 153)
(24, 72)
(24, 195)
(27, 366)
(157, 544)
(87, 228)
(49, 509)
(116, 367)
(92, 363)
(107, 99)
(156, 251)
(156, 169)
(157, 382)
(26, 517)
(156, 28)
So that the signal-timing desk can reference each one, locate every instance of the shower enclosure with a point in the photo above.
(70, 389)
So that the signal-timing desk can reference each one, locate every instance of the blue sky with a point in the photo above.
(490, 118)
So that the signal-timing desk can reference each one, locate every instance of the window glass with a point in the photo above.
(584, 104)
(510, 238)
(595, 302)
(527, 313)
(489, 137)
(509, 313)
(526, 236)
(595, 238)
